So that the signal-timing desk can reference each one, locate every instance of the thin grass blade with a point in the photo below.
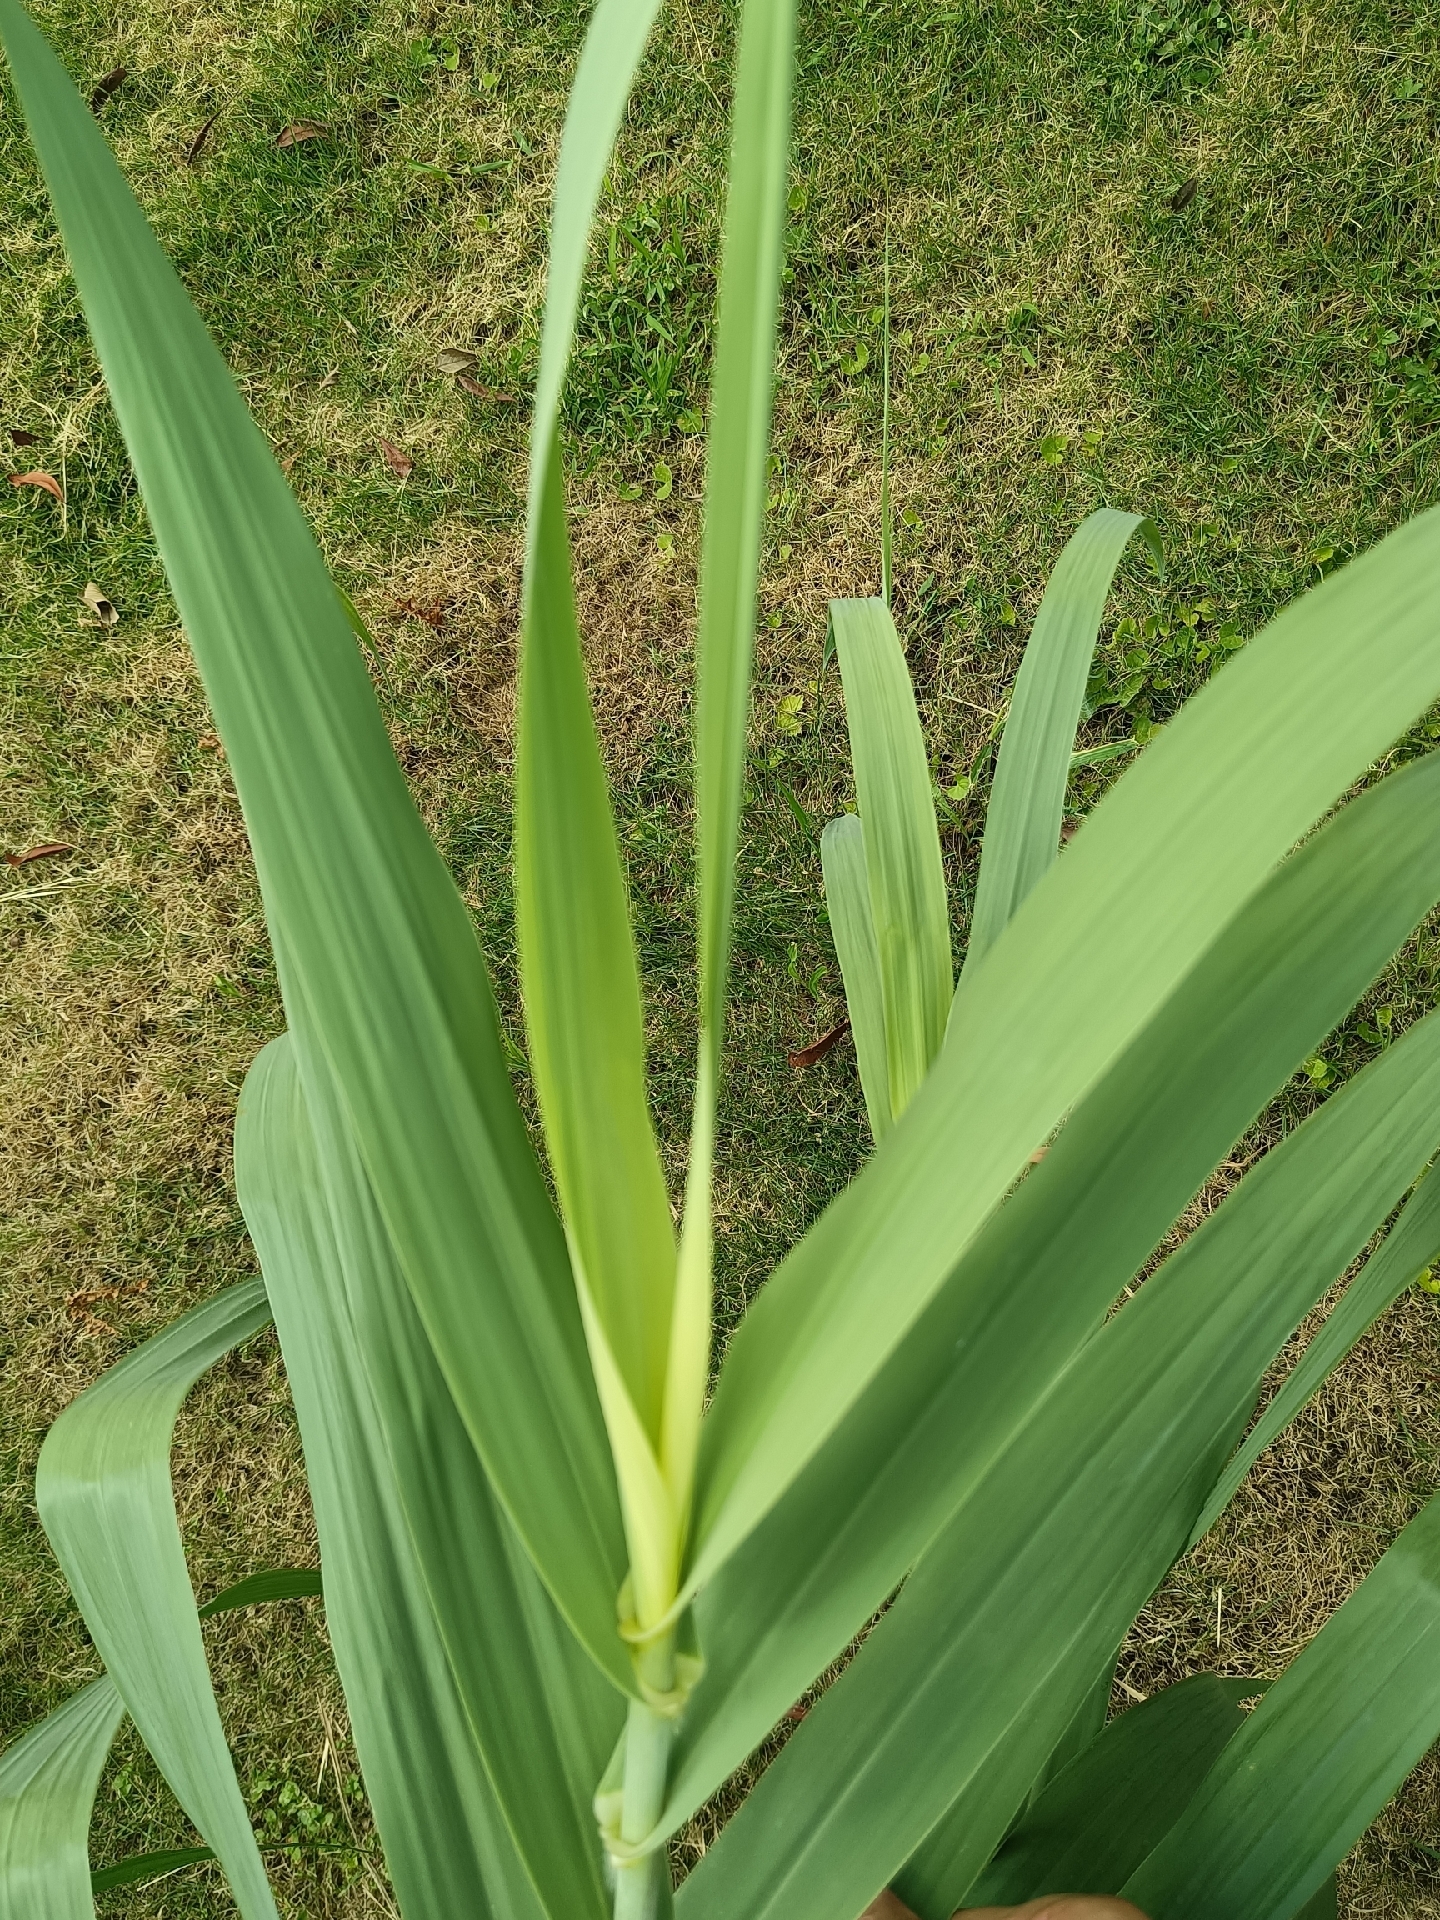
(147, 1866)
(279, 1583)
(1027, 799)
(847, 899)
(1320, 1756)
(1410, 1244)
(378, 940)
(908, 905)
(103, 1489)
(47, 1788)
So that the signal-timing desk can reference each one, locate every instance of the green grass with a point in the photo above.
(1258, 367)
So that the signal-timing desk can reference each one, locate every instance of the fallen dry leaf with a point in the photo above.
(302, 130)
(196, 146)
(483, 393)
(39, 479)
(811, 1056)
(81, 1301)
(212, 743)
(432, 612)
(456, 360)
(47, 851)
(111, 84)
(102, 608)
(21, 438)
(1183, 195)
(397, 459)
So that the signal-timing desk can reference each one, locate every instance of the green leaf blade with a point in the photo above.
(997, 1335)
(1027, 800)
(1166, 860)
(1100, 1817)
(1320, 1756)
(736, 450)
(905, 871)
(1409, 1245)
(847, 899)
(962, 1689)
(582, 989)
(47, 1787)
(103, 1489)
(278, 1583)
(377, 942)
(447, 1845)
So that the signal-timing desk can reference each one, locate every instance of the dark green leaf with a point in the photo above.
(1317, 1760)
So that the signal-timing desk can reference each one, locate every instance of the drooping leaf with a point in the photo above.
(960, 1691)
(447, 1846)
(1027, 799)
(1317, 1760)
(1411, 1242)
(993, 1341)
(906, 875)
(103, 1489)
(47, 1787)
(1183, 839)
(378, 940)
(847, 899)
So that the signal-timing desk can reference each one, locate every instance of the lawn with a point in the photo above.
(1182, 258)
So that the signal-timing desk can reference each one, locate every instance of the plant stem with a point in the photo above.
(642, 1887)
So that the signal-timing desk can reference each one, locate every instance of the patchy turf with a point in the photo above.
(1177, 257)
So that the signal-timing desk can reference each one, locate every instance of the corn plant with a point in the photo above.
(574, 1572)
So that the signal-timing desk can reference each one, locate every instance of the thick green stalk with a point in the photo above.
(642, 1885)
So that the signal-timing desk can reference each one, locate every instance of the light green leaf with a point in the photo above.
(847, 899)
(1320, 1756)
(103, 1489)
(736, 450)
(447, 1846)
(1163, 863)
(1100, 1816)
(902, 842)
(47, 1787)
(1411, 1242)
(992, 1342)
(377, 939)
(578, 970)
(582, 1001)
(964, 1686)
(1027, 799)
